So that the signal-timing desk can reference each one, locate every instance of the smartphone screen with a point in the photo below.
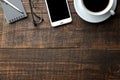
(58, 10)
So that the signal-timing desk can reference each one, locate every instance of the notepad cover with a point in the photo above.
(10, 13)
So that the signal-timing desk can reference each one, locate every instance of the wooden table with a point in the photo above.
(77, 51)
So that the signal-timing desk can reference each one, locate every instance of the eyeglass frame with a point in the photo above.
(35, 15)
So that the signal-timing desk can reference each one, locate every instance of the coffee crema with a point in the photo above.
(96, 5)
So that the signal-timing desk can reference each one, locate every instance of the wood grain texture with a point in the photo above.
(59, 64)
(76, 51)
(78, 34)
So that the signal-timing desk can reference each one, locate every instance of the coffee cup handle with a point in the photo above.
(112, 12)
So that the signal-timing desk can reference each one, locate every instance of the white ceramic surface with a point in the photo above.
(108, 8)
(91, 18)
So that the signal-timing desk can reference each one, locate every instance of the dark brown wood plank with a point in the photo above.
(82, 35)
(87, 51)
(59, 64)
(78, 34)
(1, 30)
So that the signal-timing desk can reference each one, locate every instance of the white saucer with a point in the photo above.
(91, 18)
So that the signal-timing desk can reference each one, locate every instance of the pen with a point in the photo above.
(13, 6)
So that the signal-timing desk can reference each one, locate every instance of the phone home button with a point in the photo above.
(61, 23)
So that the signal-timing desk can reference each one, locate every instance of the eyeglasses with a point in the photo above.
(36, 19)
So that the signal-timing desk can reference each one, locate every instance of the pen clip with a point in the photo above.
(3, 1)
(13, 6)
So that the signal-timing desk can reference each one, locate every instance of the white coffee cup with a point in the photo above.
(108, 9)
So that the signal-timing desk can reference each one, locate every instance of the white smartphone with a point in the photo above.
(58, 11)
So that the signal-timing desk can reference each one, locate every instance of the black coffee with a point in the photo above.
(96, 5)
